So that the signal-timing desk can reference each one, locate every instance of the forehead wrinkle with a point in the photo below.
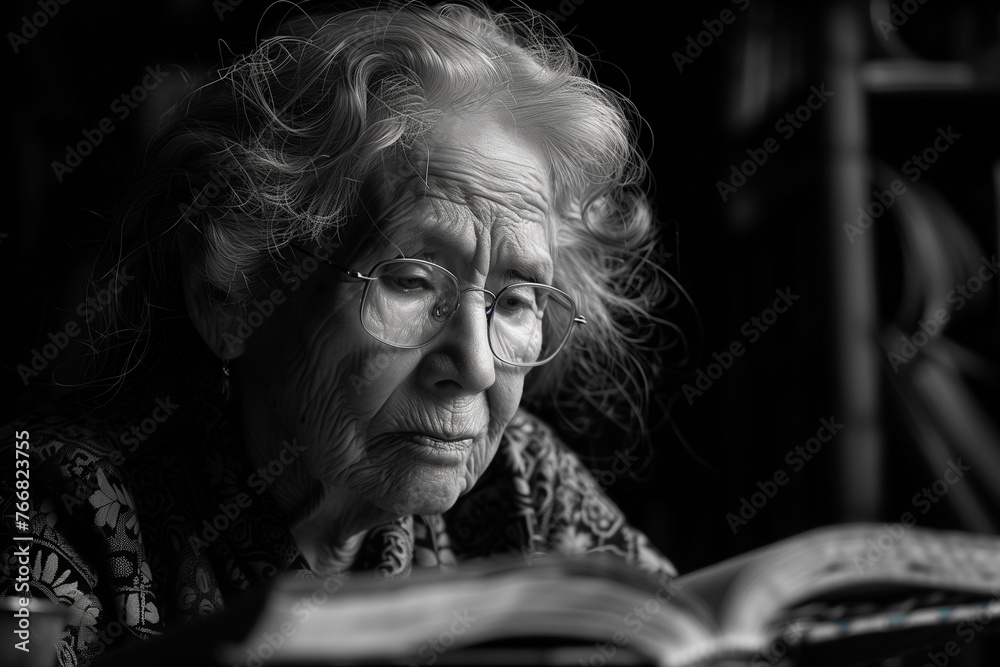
(485, 203)
(476, 163)
(515, 185)
(464, 242)
(524, 250)
(472, 184)
(433, 222)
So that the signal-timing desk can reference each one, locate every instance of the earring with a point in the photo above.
(225, 386)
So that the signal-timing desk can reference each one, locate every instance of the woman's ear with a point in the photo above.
(216, 323)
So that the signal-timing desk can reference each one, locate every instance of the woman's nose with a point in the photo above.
(466, 342)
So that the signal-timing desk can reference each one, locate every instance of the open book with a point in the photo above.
(839, 595)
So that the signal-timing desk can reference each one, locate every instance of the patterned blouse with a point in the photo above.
(142, 522)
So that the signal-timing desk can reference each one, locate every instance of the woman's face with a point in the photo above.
(409, 430)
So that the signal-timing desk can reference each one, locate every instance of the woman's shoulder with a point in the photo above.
(545, 483)
(537, 451)
(531, 436)
(56, 434)
(534, 451)
(74, 506)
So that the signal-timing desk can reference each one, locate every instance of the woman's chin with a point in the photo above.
(427, 492)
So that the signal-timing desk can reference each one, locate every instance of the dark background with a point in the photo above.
(783, 229)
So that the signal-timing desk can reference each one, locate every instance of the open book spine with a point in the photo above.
(709, 651)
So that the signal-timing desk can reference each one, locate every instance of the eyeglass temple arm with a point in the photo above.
(351, 272)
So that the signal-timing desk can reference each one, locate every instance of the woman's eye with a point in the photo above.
(411, 283)
(514, 302)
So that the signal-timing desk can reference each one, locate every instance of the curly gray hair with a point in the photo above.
(287, 143)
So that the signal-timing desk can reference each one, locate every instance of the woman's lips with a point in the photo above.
(438, 449)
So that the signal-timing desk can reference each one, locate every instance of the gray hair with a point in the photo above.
(280, 146)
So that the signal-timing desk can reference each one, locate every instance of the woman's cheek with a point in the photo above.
(324, 424)
(350, 393)
(504, 398)
(375, 377)
(505, 394)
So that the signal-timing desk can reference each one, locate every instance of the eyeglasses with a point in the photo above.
(407, 303)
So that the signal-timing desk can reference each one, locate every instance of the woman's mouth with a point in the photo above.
(439, 449)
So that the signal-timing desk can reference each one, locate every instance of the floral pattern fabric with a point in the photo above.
(135, 539)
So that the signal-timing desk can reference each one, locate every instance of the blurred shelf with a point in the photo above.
(921, 76)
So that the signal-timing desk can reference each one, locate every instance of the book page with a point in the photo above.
(859, 558)
(586, 599)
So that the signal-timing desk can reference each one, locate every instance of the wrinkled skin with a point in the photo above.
(474, 200)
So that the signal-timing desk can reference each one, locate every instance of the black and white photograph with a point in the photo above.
(534, 332)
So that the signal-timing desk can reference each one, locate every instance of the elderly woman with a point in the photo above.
(354, 256)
